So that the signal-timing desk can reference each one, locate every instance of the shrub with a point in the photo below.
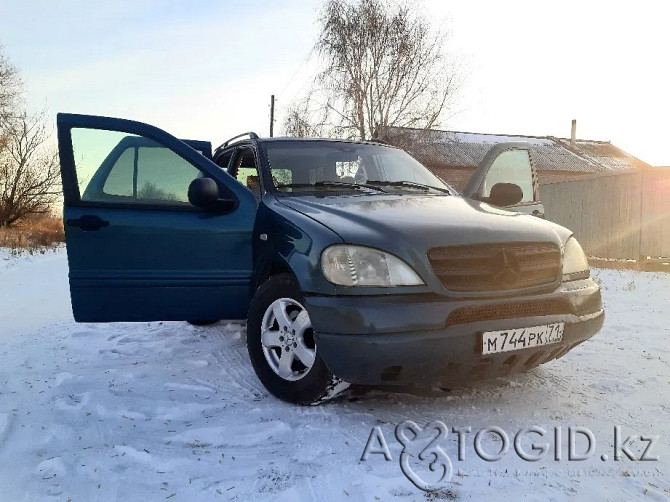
(33, 235)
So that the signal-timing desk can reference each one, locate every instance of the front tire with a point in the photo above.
(281, 345)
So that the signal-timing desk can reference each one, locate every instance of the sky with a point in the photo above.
(206, 70)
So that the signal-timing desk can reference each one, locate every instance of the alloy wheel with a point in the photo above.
(287, 339)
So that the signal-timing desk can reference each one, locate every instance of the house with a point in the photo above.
(616, 205)
(454, 155)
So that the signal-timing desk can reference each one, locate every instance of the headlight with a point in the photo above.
(575, 264)
(360, 266)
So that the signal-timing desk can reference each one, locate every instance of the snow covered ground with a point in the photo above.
(156, 411)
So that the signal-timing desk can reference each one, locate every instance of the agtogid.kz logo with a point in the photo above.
(425, 447)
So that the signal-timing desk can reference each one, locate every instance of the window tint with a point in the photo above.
(511, 166)
(117, 167)
(120, 179)
(163, 175)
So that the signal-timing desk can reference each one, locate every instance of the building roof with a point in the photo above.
(605, 154)
(465, 149)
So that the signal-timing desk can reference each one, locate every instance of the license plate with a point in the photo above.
(521, 338)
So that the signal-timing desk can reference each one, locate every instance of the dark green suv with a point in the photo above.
(351, 261)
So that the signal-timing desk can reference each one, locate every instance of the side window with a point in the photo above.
(224, 160)
(245, 170)
(511, 166)
(118, 167)
(120, 178)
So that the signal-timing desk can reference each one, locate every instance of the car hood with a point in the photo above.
(408, 224)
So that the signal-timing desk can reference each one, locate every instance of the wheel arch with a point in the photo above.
(287, 241)
(270, 269)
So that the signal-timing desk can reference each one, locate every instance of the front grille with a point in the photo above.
(496, 267)
(507, 311)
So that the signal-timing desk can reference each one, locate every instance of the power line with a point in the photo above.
(304, 60)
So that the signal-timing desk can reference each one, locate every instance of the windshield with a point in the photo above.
(307, 166)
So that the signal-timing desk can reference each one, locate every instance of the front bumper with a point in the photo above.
(429, 339)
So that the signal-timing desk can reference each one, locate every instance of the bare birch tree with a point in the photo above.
(300, 122)
(10, 92)
(11, 87)
(29, 173)
(382, 66)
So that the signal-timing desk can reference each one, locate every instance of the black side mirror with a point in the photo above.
(505, 194)
(204, 193)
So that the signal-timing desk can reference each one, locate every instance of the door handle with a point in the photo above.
(88, 223)
(538, 213)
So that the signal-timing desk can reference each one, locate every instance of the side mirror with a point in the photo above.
(505, 194)
(204, 193)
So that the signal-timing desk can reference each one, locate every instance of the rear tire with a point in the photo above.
(281, 345)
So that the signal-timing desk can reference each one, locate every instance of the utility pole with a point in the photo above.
(272, 114)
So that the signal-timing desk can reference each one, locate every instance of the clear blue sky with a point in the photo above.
(206, 69)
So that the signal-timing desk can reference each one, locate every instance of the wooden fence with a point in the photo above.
(625, 216)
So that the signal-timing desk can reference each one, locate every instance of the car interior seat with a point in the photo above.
(254, 184)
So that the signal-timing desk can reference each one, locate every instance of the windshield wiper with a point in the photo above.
(294, 185)
(330, 184)
(410, 184)
(347, 184)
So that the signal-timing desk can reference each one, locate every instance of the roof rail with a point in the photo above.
(251, 134)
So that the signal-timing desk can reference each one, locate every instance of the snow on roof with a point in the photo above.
(605, 154)
(466, 149)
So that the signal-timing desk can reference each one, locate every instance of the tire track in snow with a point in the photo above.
(6, 421)
(231, 357)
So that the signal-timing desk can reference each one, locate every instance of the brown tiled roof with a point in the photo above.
(463, 149)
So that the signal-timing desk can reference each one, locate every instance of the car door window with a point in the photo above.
(224, 160)
(120, 178)
(511, 166)
(244, 167)
(118, 167)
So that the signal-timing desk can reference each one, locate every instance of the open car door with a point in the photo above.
(138, 250)
(504, 165)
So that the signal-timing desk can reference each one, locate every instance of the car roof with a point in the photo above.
(330, 140)
(280, 139)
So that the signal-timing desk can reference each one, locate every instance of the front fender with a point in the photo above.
(285, 240)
